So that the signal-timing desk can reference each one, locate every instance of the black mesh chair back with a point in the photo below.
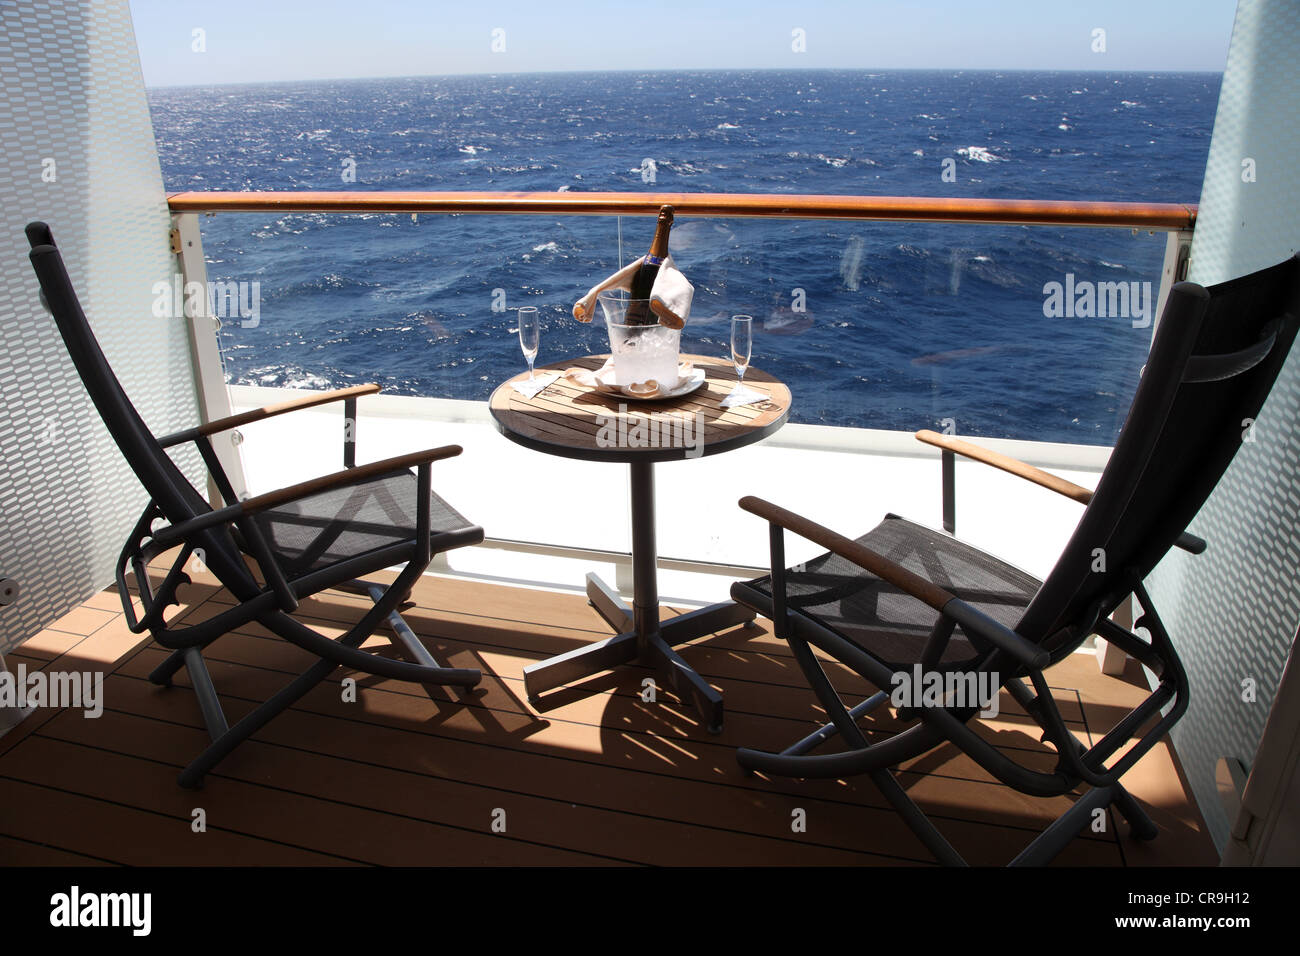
(1215, 356)
(173, 494)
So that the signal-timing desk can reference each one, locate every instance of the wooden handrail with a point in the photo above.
(1134, 215)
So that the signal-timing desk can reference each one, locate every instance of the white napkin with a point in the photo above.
(670, 298)
(528, 387)
(743, 395)
(591, 379)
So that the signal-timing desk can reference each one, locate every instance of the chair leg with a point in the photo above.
(407, 639)
(862, 757)
(829, 697)
(793, 761)
(1141, 826)
(845, 723)
(162, 674)
(192, 776)
(209, 702)
(819, 737)
(226, 740)
(916, 819)
(1065, 828)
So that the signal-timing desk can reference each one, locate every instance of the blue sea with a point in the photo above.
(875, 325)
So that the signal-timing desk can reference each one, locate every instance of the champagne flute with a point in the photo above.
(530, 335)
(742, 344)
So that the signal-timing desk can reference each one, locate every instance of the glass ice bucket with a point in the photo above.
(642, 353)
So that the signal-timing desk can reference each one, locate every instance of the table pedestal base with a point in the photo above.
(644, 641)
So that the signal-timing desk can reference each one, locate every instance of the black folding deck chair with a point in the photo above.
(324, 533)
(905, 595)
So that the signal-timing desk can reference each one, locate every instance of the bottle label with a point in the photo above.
(653, 261)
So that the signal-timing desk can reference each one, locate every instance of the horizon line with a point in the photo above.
(745, 69)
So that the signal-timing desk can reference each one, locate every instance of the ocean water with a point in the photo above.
(874, 325)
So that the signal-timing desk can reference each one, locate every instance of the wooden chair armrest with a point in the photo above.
(1008, 464)
(348, 476)
(1186, 541)
(270, 411)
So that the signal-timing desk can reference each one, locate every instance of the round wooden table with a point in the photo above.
(567, 420)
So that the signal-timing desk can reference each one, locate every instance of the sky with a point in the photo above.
(246, 41)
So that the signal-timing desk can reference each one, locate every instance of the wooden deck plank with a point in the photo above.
(387, 779)
(509, 628)
(726, 799)
(126, 834)
(607, 754)
(729, 654)
(47, 645)
(83, 621)
(17, 852)
(601, 778)
(31, 661)
(499, 700)
(266, 813)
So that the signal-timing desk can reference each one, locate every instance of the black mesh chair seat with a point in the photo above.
(891, 625)
(351, 522)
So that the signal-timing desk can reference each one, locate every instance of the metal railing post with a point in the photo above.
(205, 354)
(1178, 249)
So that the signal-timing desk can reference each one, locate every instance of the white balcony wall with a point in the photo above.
(846, 478)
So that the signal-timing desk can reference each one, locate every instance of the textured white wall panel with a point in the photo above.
(1232, 611)
(74, 97)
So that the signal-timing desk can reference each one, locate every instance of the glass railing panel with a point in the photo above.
(1034, 333)
(422, 307)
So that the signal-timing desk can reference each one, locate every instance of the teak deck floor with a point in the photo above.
(600, 778)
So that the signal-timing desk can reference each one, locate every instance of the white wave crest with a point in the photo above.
(978, 154)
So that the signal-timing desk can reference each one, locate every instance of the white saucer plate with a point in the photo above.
(688, 383)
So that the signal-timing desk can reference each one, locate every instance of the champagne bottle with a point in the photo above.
(643, 280)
